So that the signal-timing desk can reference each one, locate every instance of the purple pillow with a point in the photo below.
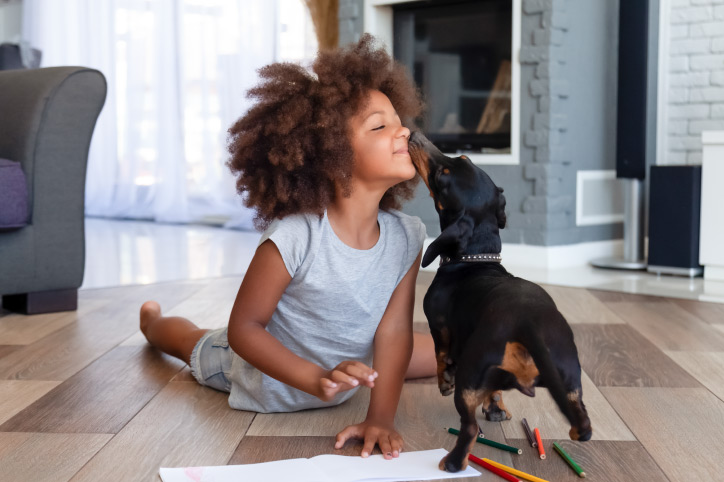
(13, 196)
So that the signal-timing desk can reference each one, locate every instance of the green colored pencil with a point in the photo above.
(568, 459)
(485, 441)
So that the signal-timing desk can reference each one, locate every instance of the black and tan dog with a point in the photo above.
(492, 331)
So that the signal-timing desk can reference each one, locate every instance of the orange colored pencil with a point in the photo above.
(541, 450)
(500, 472)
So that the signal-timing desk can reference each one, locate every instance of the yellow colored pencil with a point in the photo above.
(515, 472)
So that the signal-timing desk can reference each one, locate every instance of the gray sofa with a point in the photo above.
(47, 117)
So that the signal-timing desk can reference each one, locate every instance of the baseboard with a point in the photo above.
(551, 257)
(714, 273)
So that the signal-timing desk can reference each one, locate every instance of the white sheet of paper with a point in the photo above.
(302, 470)
(421, 465)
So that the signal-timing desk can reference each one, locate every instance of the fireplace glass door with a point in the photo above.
(459, 53)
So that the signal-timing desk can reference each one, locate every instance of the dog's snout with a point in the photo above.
(415, 137)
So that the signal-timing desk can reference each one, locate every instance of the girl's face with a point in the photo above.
(379, 141)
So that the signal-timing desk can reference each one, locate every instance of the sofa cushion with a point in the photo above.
(13, 196)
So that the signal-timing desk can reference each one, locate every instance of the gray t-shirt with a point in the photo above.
(330, 311)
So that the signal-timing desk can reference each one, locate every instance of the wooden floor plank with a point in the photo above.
(602, 461)
(619, 356)
(74, 346)
(707, 367)
(710, 312)
(679, 427)
(185, 425)
(41, 457)
(84, 402)
(669, 327)
(17, 329)
(221, 289)
(418, 314)
(542, 412)
(5, 350)
(618, 296)
(16, 395)
(578, 305)
(184, 375)
(620, 338)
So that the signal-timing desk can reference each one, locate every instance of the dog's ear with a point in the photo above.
(500, 212)
(452, 241)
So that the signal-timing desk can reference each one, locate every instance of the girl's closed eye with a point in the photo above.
(378, 128)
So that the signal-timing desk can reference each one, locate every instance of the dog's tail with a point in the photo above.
(550, 377)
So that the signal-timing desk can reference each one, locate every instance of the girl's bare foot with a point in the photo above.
(171, 334)
(150, 311)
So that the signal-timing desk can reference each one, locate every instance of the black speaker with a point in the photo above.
(631, 129)
(674, 209)
(635, 122)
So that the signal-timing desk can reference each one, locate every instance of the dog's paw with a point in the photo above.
(447, 390)
(583, 435)
(497, 415)
(448, 465)
(447, 384)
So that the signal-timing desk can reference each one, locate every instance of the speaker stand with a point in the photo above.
(633, 231)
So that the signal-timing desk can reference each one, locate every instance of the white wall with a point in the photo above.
(695, 97)
(10, 19)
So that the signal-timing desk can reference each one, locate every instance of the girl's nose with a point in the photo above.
(404, 132)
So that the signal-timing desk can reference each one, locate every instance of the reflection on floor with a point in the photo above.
(132, 252)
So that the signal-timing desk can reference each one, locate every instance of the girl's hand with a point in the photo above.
(345, 376)
(372, 433)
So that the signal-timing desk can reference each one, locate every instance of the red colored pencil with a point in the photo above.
(495, 470)
(541, 450)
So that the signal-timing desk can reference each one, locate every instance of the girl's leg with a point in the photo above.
(171, 334)
(422, 363)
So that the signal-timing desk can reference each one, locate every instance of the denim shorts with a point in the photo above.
(211, 360)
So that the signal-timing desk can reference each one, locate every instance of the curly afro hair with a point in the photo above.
(291, 149)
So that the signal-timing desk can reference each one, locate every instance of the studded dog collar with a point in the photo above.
(472, 258)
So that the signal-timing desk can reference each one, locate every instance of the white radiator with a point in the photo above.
(711, 242)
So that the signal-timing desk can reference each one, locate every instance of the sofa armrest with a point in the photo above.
(48, 121)
(48, 118)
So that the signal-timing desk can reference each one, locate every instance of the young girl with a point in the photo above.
(330, 289)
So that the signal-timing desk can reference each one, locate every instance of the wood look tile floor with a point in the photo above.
(83, 397)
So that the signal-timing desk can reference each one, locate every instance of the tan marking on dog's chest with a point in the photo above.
(518, 361)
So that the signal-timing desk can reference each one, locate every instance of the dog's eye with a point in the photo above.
(442, 177)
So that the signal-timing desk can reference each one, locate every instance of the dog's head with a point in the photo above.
(471, 207)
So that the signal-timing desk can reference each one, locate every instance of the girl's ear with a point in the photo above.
(451, 242)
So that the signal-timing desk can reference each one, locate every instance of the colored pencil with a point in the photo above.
(570, 460)
(495, 470)
(541, 450)
(491, 443)
(529, 434)
(515, 472)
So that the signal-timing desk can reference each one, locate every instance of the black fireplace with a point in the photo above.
(459, 53)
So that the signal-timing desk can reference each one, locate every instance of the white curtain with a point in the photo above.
(177, 73)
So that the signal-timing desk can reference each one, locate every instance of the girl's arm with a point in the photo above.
(393, 348)
(260, 292)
